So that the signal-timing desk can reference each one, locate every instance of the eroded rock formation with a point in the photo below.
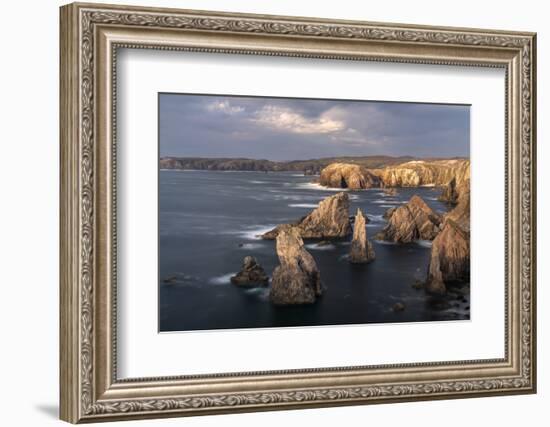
(450, 258)
(412, 221)
(361, 250)
(251, 274)
(409, 174)
(297, 279)
(348, 175)
(329, 220)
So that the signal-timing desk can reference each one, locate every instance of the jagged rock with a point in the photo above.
(329, 220)
(251, 274)
(450, 193)
(347, 175)
(461, 213)
(412, 221)
(387, 215)
(398, 306)
(297, 279)
(450, 258)
(361, 250)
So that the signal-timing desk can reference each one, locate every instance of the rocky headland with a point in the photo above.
(352, 176)
(413, 173)
(361, 250)
(329, 220)
(412, 221)
(296, 280)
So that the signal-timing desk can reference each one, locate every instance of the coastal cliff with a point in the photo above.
(345, 175)
(413, 173)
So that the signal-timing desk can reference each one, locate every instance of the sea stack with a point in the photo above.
(297, 279)
(412, 221)
(450, 258)
(251, 274)
(329, 220)
(361, 249)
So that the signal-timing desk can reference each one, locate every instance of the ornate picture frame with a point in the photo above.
(90, 37)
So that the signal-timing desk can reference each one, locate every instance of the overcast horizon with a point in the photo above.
(283, 129)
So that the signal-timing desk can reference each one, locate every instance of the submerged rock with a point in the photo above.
(398, 306)
(450, 258)
(329, 220)
(361, 249)
(348, 175)
(251, 274)
(412, 221)
(297, 279)
(390, 192)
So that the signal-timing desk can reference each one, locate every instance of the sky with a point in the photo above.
(296, 129)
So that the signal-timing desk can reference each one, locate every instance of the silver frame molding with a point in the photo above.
(90, 37)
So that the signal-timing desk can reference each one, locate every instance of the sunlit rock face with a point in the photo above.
(296, 280)
(412, 221)
(450, 258)
(348, 175)
(361, 250)
(329, 220)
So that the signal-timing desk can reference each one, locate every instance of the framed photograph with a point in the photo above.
(266, 212)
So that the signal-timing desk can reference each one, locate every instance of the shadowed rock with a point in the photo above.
(461, 213)
(450, 258)
(329, 220)
(297, 279)
(361, 250)
(251, 274)
(412, 221)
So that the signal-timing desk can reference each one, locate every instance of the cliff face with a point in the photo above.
(461, 212)
(297, 279)
(410, 174)
(412, 221)
(345, 175)
(361, 250)
(450, 258)
(329, 220)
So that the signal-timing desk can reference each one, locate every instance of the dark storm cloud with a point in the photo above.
(288, 129)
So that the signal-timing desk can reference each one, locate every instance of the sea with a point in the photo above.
(210, 220)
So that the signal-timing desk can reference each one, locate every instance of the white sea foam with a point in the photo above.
(258, 182)
(303, 205)
(375, 218)
(317, 186)
(317, 247)
(221, 280)
(382, 202)
(251, 246)
(383, 242)
(256, 232)
(389, 206)
(424, 243)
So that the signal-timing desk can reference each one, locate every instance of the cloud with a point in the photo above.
(289, 120)
(224, 107)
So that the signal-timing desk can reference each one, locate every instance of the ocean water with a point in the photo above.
(209, 221)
